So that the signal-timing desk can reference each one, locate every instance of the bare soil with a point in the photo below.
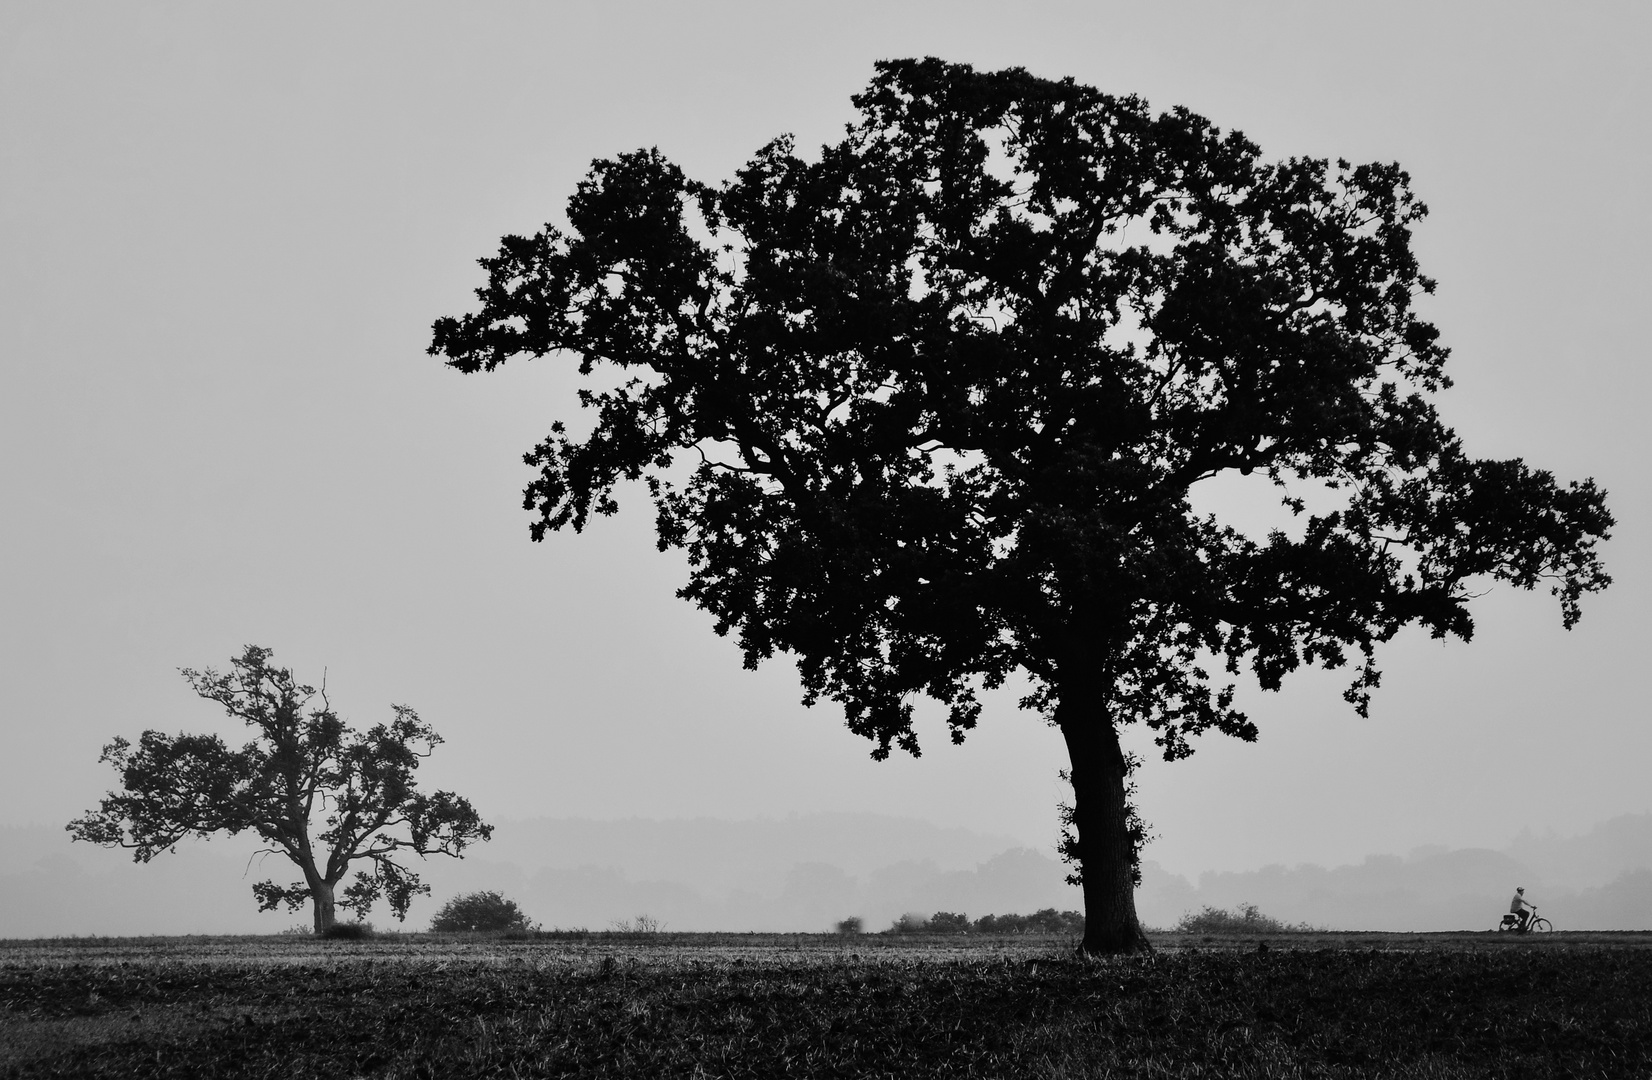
(764, 1005)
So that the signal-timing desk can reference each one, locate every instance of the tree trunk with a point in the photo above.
(321, 895)
(1101, 817)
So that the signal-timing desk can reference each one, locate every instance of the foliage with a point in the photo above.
(1435, 1012)
(1136, 828)
(298, 767)
(1245, 919)
(928, 410)
(852, 925)
(1043, 921)
(480, 911)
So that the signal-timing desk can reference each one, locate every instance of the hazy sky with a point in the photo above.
(226, 228)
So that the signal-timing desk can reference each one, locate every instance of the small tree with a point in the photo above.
(301, 765)
(480, 911)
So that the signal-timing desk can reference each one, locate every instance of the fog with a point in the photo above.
(806, 873)
(226, 229)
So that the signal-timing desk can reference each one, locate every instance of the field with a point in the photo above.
(419, 1005)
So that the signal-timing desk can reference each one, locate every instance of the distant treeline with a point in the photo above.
(1210, 920)
(1046, 921)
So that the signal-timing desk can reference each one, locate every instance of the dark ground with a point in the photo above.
(1332, 1005)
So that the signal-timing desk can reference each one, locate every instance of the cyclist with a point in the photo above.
(1518, 906)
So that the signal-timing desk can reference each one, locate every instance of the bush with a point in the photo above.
(1245, 920)
(348, 931)
(851, 925)
(480, 911)
(1046, 921)
(946, 922)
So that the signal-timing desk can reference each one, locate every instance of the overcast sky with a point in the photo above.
(225, 230)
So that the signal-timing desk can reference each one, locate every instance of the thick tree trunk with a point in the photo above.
(1105, 847)
(321, 895)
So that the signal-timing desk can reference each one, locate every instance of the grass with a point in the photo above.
(827, 1005)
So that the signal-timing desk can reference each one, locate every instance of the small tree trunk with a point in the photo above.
(1105, 848)
(321, 895)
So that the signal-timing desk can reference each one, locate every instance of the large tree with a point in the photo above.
(304, 767)
(926, 410)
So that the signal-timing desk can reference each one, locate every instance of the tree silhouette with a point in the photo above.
(926, 411)
(299, 766)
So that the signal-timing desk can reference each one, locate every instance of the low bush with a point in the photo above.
(480, 911)
(1045, 921)
(1245, 920)
(348, 931)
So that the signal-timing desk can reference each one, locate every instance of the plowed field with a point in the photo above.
(1332, 1005)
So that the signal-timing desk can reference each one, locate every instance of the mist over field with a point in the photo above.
(805, 872)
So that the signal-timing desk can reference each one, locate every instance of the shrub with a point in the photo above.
(851, 925)
(480, 911)
(642, 924)
(1046, 921)
(1050, 921)
(348, 931)
(1245, 920)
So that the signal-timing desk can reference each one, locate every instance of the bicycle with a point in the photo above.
(1537, 925)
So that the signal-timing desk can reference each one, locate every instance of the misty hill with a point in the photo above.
(806, 872)
(803, 872)
(1601, 880)
(718, 857)
(1593, 859)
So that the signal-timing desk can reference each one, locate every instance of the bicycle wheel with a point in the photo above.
(1540, 926)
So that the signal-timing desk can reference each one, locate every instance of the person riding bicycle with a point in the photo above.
(1518, 906)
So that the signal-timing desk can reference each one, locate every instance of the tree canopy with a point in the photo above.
(301, 766)
(927, 409)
